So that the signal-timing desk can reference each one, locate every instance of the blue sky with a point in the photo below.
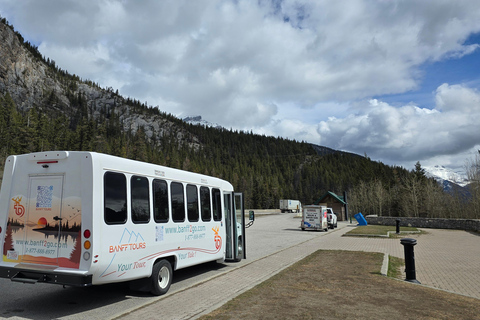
(454, 71)
(396, 80)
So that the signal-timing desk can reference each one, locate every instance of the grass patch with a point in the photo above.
(376, 230)
(395, 266)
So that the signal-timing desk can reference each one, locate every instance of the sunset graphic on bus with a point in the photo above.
(43, 237)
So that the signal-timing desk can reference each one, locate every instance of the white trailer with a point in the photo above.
(290, 206)
(84, 218)
(314, 218)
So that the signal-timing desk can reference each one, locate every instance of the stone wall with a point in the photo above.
(435, 223)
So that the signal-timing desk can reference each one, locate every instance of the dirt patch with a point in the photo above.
(344, 285)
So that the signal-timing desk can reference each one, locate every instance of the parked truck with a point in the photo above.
(287, 205)
(331, 218)
(314, 218)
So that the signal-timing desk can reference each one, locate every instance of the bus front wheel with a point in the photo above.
(161, 277)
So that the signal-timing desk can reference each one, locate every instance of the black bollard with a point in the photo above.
(398, 226)
(409, 259)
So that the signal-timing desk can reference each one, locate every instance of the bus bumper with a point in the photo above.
(34, 276)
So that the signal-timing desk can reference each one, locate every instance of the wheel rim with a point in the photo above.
(163, 277)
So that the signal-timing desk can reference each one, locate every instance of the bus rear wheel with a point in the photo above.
(161, 277)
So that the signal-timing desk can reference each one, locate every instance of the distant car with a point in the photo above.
(331, 218)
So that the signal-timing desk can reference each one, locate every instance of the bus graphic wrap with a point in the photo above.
(132, 241)
(37, 234)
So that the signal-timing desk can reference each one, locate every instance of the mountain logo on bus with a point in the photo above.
(19, 209)
(217, 238)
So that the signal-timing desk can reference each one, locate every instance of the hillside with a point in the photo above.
(43, 107)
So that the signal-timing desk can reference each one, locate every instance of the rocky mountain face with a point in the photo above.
(23, 77)
(452, 182)
(33, 82)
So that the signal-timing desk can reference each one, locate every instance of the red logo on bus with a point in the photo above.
(217, 238)
(19, 209)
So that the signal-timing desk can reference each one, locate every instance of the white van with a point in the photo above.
(84, 218)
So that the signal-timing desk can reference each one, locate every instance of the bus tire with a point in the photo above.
(161, 277)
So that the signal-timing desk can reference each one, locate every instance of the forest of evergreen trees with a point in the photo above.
(266, 169)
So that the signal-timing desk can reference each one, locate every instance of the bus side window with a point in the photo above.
(217, 205)
(160, 201)
(140, 192)
(115, 198)
(205, 204)
(192, 203)
(178, 202)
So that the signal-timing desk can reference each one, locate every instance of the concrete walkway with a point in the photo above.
(445, 259)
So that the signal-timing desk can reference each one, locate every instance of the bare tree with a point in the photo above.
(412, 191)
(380, 196)
(434, 199)
(472, 168)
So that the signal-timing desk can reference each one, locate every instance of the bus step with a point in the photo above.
(19, 277)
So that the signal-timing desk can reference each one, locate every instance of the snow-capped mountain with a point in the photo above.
(197, 120)
(441, 174)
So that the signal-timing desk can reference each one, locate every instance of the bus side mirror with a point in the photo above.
(251, 217)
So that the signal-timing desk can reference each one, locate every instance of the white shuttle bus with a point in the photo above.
(85, 218)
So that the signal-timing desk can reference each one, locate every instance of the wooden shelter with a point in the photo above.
(337, 203)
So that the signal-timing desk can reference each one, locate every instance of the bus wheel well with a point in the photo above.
(145, 284)
(171, 259)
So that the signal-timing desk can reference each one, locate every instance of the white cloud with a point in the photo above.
(298, 51)
(457, 98)
(409, 133)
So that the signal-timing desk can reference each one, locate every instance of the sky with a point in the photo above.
(397, 81)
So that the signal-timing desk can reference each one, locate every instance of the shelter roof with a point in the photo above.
(331, 194)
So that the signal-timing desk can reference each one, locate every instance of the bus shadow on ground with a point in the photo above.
(65, 302)
(61, 302)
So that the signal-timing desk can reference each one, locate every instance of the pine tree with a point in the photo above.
(419, 171)
(77, 250)
(8, 244)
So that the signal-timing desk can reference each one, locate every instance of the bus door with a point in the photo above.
(235, 226)
(43, 220)
(240, 216)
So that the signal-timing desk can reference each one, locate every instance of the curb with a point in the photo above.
(380, 235)
(384, 270)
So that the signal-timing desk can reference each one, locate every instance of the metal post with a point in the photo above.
(409, 259)
(398, 226)
(346, 206)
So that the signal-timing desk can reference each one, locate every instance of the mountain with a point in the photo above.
(32, 81)
(197, 120)
(454, 183)
(440, 173)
